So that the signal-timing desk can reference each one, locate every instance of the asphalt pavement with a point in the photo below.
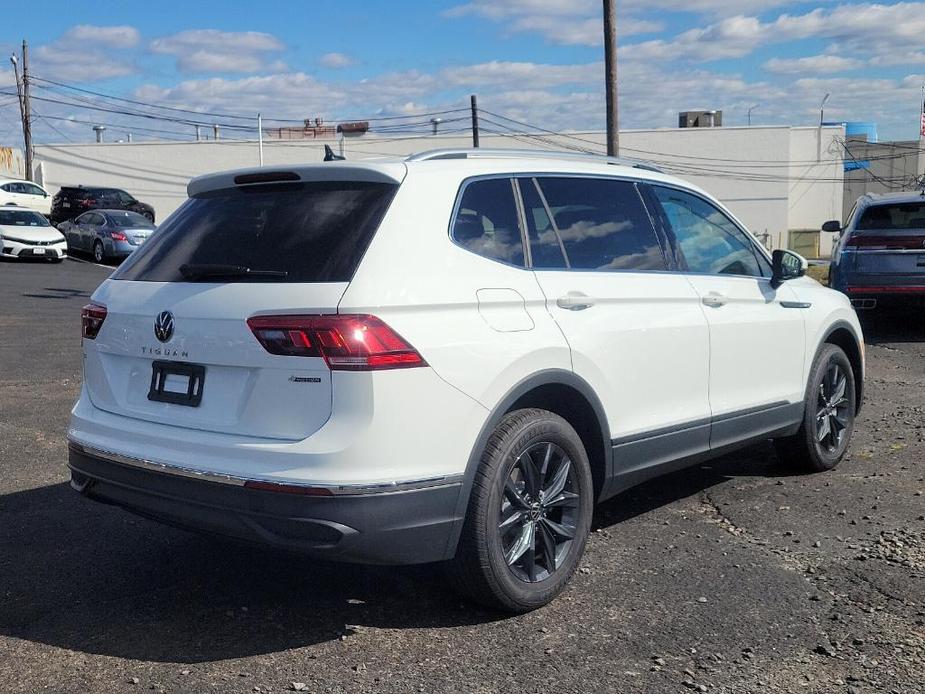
(735, 576)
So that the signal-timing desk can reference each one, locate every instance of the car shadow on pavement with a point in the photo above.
(92, 578)
(893, 325)
(87, 577)
(758, 460)
(58, 293)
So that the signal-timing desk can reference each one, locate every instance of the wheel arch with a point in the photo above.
(560, 392)
(842, 334)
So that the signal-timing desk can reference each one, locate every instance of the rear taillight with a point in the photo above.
(91, 320)
(346, 342)
(886, 242)
(117, 236)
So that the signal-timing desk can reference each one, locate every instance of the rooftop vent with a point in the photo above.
(700, 119)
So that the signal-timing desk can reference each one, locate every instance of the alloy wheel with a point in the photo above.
(539, 512)
(833, 409)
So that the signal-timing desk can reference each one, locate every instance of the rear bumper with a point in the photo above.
(121, 249)
(410, 526)
(898, 295)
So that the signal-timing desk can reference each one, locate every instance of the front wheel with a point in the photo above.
(529, 514)
(828, 420)
(99, 254)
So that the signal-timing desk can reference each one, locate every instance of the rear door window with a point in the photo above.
(486, 221)
(289, 232)
(545, 246)
(602, 223)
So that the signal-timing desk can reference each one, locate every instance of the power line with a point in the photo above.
(238, 115)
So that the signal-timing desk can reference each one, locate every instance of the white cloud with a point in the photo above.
(898, 58)
(559, 21)
(870, 29)
(336, 60)
(578, 22)
(511, 74)
(114, 36)
(84, 53)
(210, 50)
(812, 64)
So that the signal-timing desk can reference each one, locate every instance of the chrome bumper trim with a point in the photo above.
(233, 480)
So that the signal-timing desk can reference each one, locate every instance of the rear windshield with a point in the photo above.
(907, 215)
(128, 219)
(292, 232)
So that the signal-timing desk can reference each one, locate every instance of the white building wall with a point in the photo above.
(767, 176)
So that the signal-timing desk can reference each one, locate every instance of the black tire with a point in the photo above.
(501, 491)
(57, 260)
(99, 253)
(812, 449)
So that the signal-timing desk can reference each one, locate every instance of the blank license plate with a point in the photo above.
(177, 382)
(38, 251)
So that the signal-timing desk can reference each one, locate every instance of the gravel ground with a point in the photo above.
(729, 577)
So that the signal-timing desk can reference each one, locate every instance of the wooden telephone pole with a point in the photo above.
(610, 78)
(474, 106)
(26, 111)
(25, 105)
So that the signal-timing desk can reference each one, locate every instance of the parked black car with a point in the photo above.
(71, 201)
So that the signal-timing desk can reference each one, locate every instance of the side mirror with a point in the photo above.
(832, 226)
(786, 265)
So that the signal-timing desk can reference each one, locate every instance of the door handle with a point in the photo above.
(575, 301)
(714, 300)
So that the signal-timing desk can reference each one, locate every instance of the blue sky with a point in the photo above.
(538, 61)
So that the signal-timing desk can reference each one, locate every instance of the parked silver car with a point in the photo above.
(879, 259)
(107, 234)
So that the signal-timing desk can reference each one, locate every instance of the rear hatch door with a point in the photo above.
(889, 244)
(244, 390)
(179, 305)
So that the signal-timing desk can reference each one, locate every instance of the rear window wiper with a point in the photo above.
(198, 271)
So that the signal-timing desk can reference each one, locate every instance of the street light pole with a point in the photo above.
(750, 109)
(821, 121)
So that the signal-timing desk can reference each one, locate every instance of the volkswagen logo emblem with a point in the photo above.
(163, 326)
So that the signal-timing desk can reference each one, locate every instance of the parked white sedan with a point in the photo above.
(25, 194)
(27, 234)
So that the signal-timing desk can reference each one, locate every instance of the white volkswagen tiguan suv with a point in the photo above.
(449, 358)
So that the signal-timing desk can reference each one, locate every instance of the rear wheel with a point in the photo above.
(828, 420)
(529, 514)
(99, 254)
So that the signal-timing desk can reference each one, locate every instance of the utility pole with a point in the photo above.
(610, 78)
(260, 137)
(473, 102)
(26, 110)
